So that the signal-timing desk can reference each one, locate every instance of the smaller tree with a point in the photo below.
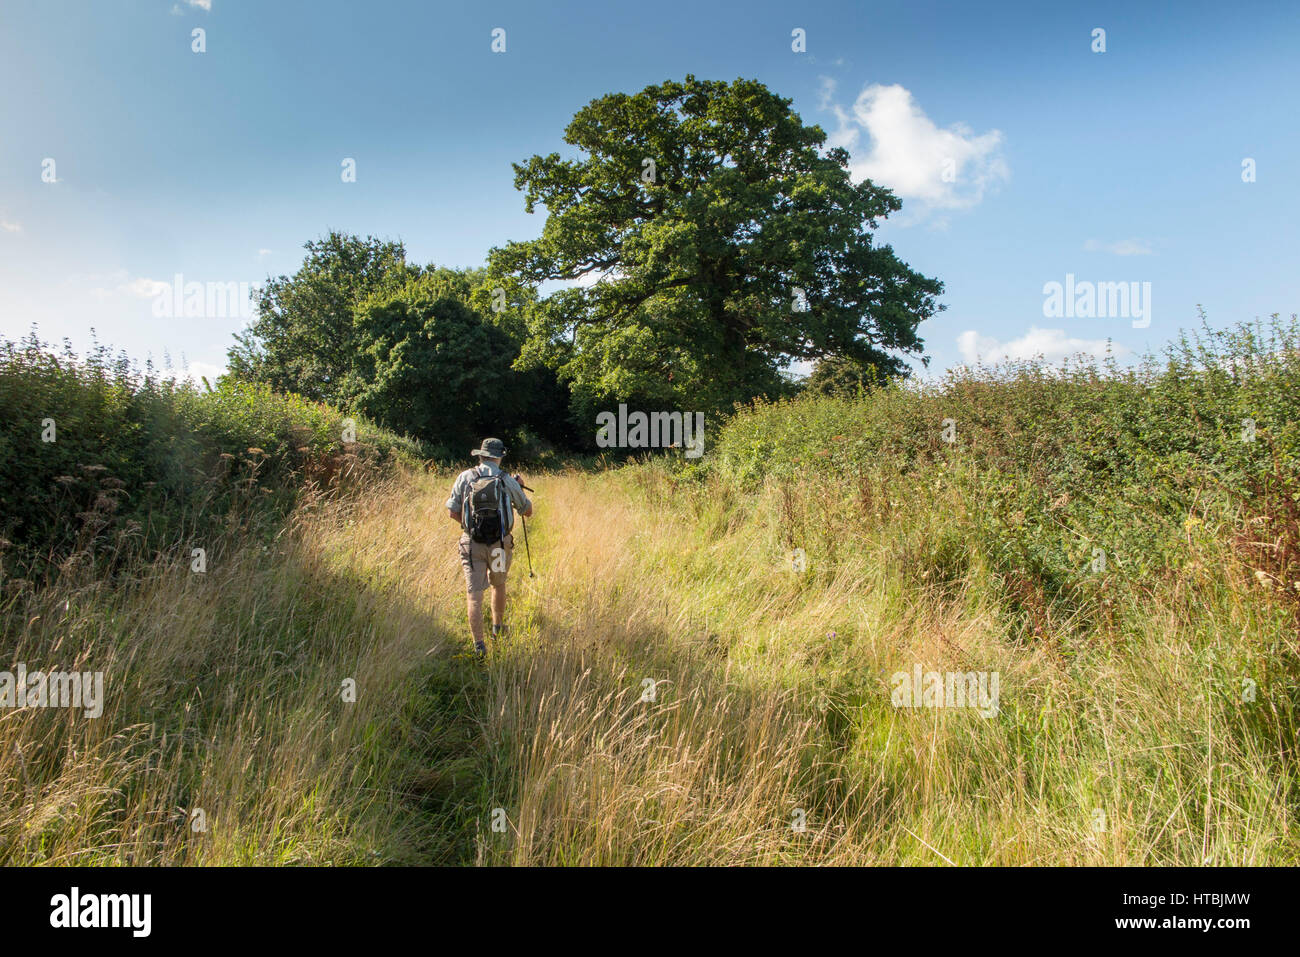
(303, 339)
(430, 366)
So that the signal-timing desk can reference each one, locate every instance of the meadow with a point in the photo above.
(701, 670)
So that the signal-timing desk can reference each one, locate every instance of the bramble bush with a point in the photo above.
(140, 462)
(1076, 483)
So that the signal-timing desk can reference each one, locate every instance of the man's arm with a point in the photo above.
(522, 505)
(457, 500)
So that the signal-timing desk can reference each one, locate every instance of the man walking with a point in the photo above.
(483, 502)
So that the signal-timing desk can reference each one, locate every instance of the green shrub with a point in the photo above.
(1078, 481)
(99, 461)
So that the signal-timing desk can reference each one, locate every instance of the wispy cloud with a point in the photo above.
(9, 227)
(121, 284)
(1050, 345)
(1121, 247)
(826, 95)
(143, 288)
(940, 168)
(196, 371)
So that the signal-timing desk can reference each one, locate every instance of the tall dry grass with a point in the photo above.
(224, 696)
(1162, 734)
(1133, 744)
(769, 737)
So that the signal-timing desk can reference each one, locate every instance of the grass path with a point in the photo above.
(614, 732)
(671, 694)
(771, 737)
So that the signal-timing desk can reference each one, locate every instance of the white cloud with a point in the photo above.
(264, 252)
(1121, 247)
(122, 285)
(940, 168)
(144, 288)
(194, 371)
(802, 368)
(1050, 345)
(10, 227)
(826, 95)
(201, 4)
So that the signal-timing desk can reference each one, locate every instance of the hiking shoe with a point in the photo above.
(500, 631)
(480, 650)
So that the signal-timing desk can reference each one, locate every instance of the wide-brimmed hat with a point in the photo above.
(492, 448)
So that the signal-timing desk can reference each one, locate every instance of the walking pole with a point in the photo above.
(528, 551)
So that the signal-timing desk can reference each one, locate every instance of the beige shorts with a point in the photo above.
(484, 563)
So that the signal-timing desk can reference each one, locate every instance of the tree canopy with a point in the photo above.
(709, 240)
(302, 339)
(430, 366)
(419, 349)
(726, 245)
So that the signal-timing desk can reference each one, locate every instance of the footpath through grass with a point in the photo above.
(705, 668)
(771, 735)
(672, 693)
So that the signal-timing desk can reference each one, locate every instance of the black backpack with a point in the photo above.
(486, 519)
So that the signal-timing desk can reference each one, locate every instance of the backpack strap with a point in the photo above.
(469, 496)
(464, 508)
(501, 512)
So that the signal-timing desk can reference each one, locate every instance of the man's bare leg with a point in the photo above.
(474, 606)
(498, 604)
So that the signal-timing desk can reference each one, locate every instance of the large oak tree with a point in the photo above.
(727, 245)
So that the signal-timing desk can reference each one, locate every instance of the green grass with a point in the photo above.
(1147, 710)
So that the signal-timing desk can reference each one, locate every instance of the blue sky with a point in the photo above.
(1116, 166)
